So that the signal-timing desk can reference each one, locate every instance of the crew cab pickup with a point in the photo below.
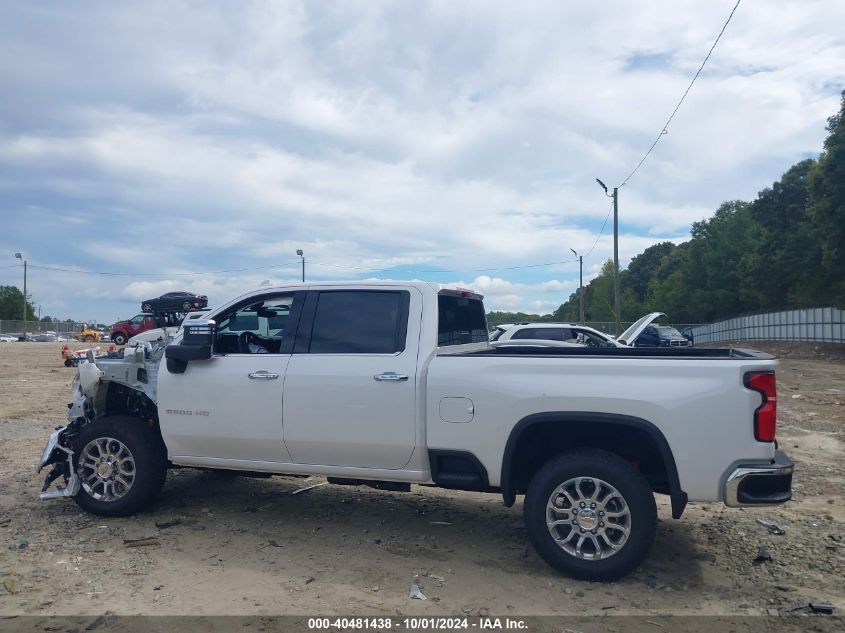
(390, 384)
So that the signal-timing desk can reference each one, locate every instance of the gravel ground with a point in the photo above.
(239, 546)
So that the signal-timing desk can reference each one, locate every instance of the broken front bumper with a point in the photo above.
(760, 484)
(54, 453)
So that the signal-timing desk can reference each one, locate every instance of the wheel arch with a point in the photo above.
(538, 435)
(121, 400)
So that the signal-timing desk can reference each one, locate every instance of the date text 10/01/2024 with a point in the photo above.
(416, 623)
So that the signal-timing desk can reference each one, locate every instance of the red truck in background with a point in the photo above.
(122, 331)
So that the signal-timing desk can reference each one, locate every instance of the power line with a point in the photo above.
(115, 274)
(441, 270)
(606, 218)
(664, 129)
(337, 266)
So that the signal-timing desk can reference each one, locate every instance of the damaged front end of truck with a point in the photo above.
(122, 382)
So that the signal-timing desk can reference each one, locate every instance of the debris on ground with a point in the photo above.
(303, 489)
(763, 555)
(168, 524)
(141, 542)
(821, 607)
(415, 592)
(10, 584)
(772, 527)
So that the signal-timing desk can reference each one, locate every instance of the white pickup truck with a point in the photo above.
(391, 384)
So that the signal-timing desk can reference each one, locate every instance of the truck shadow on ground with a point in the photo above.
(426, 527)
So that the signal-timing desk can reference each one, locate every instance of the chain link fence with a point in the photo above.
(12, 327)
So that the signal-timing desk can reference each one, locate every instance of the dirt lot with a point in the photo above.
(247, 546)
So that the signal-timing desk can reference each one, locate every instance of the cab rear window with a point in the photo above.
(461, 320)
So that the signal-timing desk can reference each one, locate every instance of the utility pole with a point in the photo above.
(20, 257)
(616, 307)
(580, 285)
(302, 255)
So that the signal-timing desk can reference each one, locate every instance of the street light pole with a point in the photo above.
(20, 257)
(302, 255)
(580, 285)
(616, 304)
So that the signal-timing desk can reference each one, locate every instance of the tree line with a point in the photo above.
(783, 250)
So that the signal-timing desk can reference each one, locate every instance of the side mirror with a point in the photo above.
(197, 344)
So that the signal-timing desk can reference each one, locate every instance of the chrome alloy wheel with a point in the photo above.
(588, 518)
(106, 469)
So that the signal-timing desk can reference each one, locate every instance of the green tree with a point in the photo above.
(827, 210)
(11, 304)
(497, 318)
(598, 295)
(788, 256)
(640, 272)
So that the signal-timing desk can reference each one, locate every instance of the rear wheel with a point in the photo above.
(119, 338)
(121, 465)
(186, 306)
(88, 338)
(147, 307)
(591, 515)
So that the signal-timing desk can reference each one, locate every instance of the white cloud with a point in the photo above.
(389, 139)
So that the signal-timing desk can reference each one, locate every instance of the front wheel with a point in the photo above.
(119, 338)
(121, 464)
(590, 514)
(88, 338)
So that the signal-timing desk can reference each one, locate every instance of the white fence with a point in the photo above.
(812, 324)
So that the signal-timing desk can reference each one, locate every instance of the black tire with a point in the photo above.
(147, 307)
(613, 470)
(118, 338)
(150, 464)
(88, 338)
(187, 306)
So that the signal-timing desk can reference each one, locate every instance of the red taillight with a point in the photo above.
(765, 416)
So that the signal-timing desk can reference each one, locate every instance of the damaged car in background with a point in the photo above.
(642, 333)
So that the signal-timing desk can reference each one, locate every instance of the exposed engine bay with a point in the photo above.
(122, 382)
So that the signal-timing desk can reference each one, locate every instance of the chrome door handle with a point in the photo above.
(263, 375)
(390, 376)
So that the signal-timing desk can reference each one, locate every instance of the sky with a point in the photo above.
(155, 146)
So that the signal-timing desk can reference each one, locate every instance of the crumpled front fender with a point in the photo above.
(47, 456)
(53, 453)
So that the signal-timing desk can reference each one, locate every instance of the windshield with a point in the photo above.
(495, 334)
(666, 330)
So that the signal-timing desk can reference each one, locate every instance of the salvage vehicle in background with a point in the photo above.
(389, 384)
(122, 331)
(175, 302)
(551, 334)
(87, 335)
(661, 336)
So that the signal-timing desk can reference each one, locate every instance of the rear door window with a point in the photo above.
(461, 320)
(360, 322)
